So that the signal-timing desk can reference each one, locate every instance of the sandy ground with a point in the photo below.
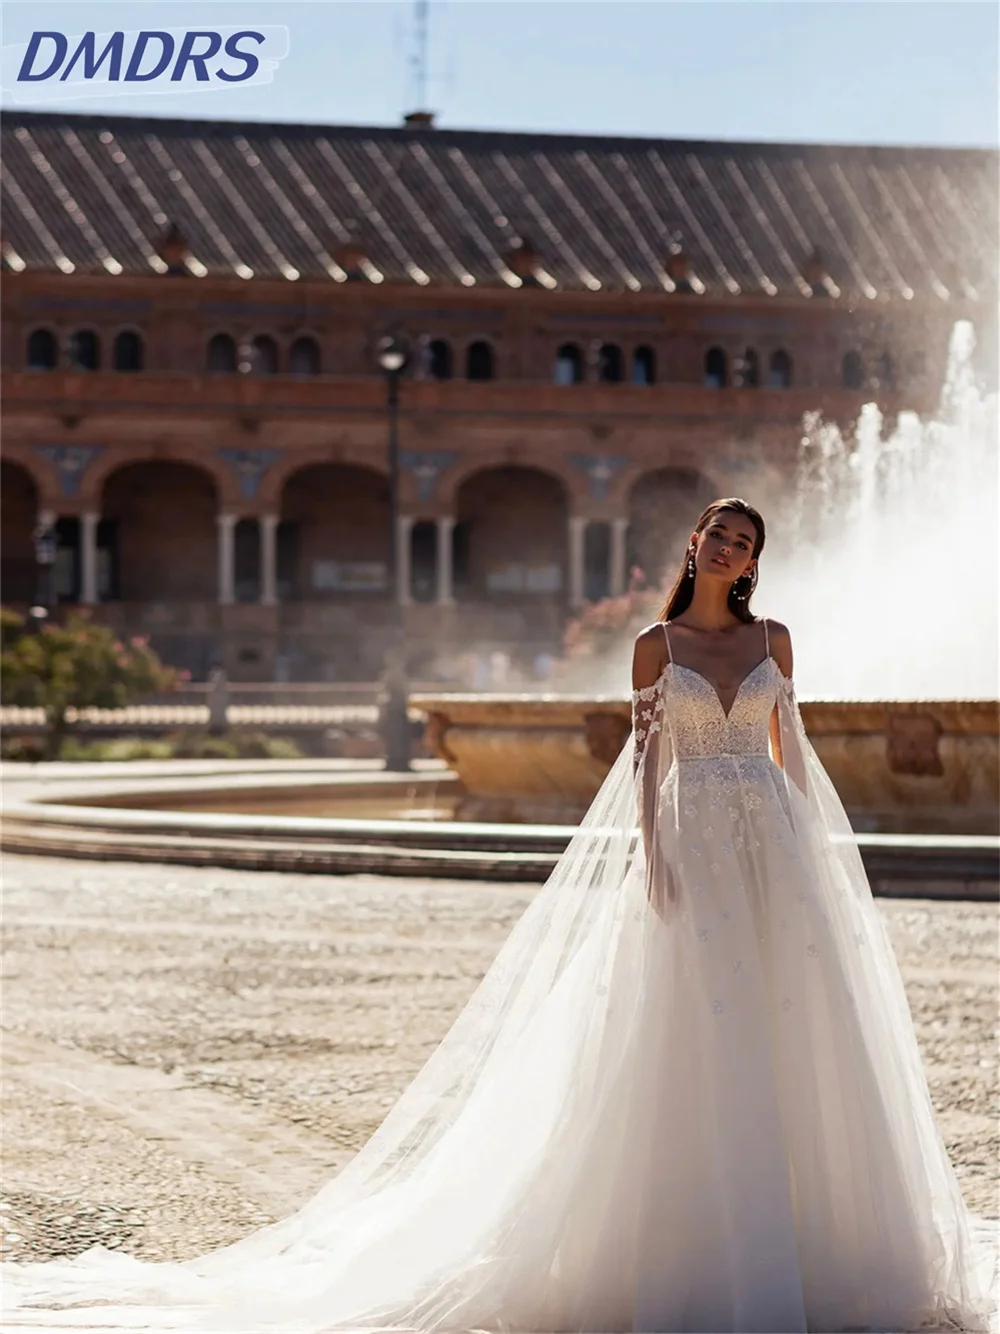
(188, 1054)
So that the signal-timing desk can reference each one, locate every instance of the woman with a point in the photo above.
(708, 1116)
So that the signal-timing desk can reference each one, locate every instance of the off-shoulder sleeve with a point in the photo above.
(652, 758)
(646, 719)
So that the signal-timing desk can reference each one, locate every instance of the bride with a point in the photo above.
(687, 1095)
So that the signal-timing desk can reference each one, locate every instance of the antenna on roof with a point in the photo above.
(418, 56)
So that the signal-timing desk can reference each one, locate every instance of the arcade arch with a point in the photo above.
(333, 537)
(158, 533)
(18, 516)
(511, 535)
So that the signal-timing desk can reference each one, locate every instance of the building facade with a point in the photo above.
(605, 335)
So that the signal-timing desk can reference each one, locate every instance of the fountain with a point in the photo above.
(886, 563)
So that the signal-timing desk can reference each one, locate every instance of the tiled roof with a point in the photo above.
(93, 192)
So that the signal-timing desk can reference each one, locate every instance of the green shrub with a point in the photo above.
(23, 749)
(235, 745)
(115, 748)
(76, 665)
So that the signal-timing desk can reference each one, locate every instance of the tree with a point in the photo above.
(78, 665)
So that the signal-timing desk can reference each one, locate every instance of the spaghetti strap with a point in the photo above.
(767, 646)
(670, 656)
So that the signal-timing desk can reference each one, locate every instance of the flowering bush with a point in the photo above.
(603, 626)
(77, 665)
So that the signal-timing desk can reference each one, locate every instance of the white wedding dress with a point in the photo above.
(711, 1120)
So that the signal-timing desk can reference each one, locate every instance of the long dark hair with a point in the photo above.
(738, 601)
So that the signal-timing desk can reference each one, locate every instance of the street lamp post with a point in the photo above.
(393, 356)
(45, 558)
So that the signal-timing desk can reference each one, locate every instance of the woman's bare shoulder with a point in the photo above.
(650, 655)
(652, 643)
(652, 634)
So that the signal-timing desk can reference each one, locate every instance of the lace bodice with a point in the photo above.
(685, 704)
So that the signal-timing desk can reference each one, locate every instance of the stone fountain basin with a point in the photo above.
(918, 778)
(900, 766)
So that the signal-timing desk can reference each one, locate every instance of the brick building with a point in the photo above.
(606, 333)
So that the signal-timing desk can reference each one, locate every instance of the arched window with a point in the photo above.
(265, 355)
(715, 368)
(303, 356)
(221, 358)
(609, 363)
(779, 374)
(750, 369)
(84, 351)
(43, 352)
(852, 371)
(885, 371)
(643, 366)
(569, 365)
(128, 352)
(439, 359)
(479, 361)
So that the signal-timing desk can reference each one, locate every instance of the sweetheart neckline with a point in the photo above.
(655, 687)
(702, 677)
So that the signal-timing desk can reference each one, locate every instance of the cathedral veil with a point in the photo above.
(485, 1106)
(427, 1226)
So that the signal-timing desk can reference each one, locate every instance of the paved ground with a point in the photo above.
(188, 1054)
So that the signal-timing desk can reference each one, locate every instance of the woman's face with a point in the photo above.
(724, 547)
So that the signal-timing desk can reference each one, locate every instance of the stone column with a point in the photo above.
(404, 526)
(269, 559)
(445, 572)
(227, 558)
(89, 592)
(618, 573)
(577, 535)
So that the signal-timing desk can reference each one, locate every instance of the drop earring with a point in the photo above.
(750, 584)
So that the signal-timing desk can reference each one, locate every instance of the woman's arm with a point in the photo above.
(649, 657)
(781, 650)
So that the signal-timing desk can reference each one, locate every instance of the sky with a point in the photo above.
(870, 71)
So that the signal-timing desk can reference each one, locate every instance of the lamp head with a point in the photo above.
(392, 354)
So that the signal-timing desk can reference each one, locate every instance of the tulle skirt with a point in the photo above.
(714, 1119)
